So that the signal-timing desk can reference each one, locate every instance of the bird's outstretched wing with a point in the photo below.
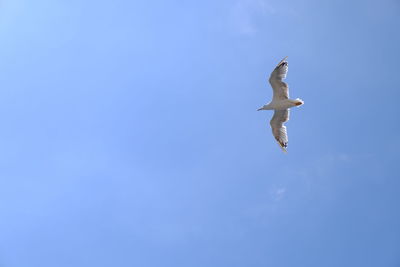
(279, 87)
(278, 129)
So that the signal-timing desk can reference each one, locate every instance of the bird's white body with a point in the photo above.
(281, 103)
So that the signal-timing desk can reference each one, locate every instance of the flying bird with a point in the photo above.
(280, 103)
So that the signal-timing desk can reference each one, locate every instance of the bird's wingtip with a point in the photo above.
(282, 146)
(283, 60)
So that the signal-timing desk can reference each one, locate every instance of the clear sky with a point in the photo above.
(129, 134)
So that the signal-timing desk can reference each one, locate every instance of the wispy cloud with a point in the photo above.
(245, 12)
(278, 193)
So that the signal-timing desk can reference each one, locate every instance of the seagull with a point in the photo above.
(280, 103)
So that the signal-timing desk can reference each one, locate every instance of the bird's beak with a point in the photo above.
(259, 109)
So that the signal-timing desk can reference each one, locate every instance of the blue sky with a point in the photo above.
(129, 134)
